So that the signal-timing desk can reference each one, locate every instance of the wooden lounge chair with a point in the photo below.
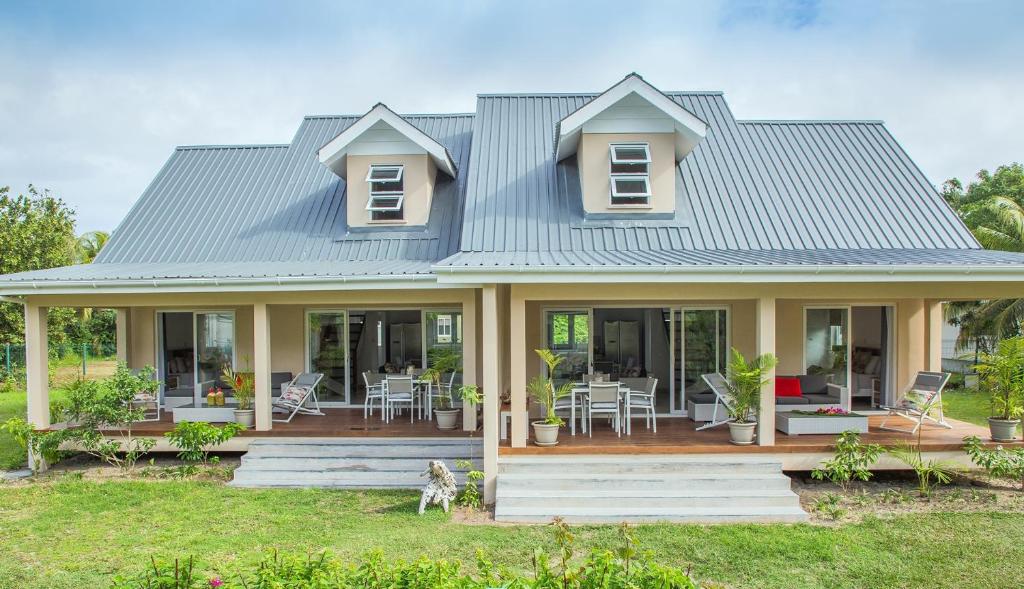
(296, 394)
(918, 401)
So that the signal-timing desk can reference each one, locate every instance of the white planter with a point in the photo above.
(447, 418)
(245, 417)
(741, 434)
(1003, 430)
(545, 434)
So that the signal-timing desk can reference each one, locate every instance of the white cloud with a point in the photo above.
(95, 121)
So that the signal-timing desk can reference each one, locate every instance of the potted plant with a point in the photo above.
(543, 390)
(1002, 373)
(444, 361)
(244, 384)
(745, 382)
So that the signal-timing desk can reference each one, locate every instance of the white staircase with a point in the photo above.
(351, 463)
(645, 488)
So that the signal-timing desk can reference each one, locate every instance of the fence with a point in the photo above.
(67, 360)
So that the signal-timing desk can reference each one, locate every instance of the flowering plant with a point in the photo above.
(832, 411)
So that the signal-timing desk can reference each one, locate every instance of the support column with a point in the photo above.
(261, 366)
(934, 330)
(910, 340)
(766, 345)
(491, 385)
(123, 327)
(517, 364)
(469, 376)
(36, 366)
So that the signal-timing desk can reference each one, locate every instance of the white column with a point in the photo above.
(261, 366)
(491, 384)
(36, 366)
(123, 327)
(469, 376)
(934, 329)
(766, 345)
(517, 366)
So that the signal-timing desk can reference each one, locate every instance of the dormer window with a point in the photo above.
(387, 192)
(630, 171)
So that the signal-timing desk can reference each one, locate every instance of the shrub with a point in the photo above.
(470, 496)
(999, 462)
(193, 438)
(929, 472)
(852, 461)
(623, 568)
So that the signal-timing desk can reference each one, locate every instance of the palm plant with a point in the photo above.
(543, 390)
(929, 472)
(1002, 373)
(746, 379)
(88, 246)
(442, 361)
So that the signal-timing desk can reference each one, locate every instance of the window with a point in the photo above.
(444, 329)
(387, 193)
(630, 172)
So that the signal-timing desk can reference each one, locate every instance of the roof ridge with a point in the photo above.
(589, 94)
(403, 115)
(236, 146)
(810, 121)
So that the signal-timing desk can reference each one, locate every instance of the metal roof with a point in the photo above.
(782, 185)
(241, 204)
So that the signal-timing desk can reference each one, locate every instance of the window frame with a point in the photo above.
(397, 195)
(641, 176)
(444, 336)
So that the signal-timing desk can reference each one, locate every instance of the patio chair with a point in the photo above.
(640, 397)
(718, 385)
(603, 399)
(399, 391)
(374, 392)
(296, 394)
(917, 402)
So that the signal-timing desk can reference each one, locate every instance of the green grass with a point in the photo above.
(14, 405)
(966, 405)
(77, 533)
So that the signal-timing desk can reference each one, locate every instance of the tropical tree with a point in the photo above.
(88, 246)
(992, 207)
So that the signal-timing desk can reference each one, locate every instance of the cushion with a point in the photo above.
(787, 386)
(813, 384)
(293, 395)
(703, 398)
(822, 399)
(791, 401)
(872, 366)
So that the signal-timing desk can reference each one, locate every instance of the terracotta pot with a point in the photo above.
(741, 434)
(1003, 430)
(545, 434)
(447, 418)
(245, 417)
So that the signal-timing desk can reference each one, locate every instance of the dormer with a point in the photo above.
(389, 167)
(627, 143)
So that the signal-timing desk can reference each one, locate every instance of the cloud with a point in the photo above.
(93, 97)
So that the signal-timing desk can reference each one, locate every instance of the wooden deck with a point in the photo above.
(336, 423)
(679, 436)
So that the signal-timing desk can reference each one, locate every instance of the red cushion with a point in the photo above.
(787, 386)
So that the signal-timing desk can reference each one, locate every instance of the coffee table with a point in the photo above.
(794, 424)
(204, 412)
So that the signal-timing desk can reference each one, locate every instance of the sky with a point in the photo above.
(94, 96)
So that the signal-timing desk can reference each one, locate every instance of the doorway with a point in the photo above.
(853, 345)
(194, 348)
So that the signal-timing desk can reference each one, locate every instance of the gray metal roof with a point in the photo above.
(766, 185)
(239, 204)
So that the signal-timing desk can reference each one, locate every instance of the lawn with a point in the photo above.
(76, 533)
(967, 405)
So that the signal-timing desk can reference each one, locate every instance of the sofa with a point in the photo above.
(816, 393)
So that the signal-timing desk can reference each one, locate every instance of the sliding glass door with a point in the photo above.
(826, 342)
(215, 347)
(568, 334)
(700, 346)
(327, 353)
(194, 349)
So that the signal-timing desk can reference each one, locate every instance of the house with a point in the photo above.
(638, 233)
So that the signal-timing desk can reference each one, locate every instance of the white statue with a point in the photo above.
(440, 489)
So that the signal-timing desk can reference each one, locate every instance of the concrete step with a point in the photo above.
(369, 480)
(326, 463)
(427, 452)
(735, 514)
(627, 482)
(554, 505)
(638, 465)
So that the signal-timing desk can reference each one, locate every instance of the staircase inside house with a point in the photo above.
(352, 463)
(644, 488)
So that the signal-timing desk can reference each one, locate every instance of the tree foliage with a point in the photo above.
(992, 207)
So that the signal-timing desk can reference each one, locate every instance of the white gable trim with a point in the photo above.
(333, 154)
(689, 129)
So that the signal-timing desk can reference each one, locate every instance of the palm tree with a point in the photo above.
(88, 246)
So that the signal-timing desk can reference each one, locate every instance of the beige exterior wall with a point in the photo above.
(287, 338)
(593, 161)
(419, 176)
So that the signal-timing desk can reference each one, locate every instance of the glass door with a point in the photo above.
(568, 334)
(702, 347)
(826, 343)
(214, 348)
(327, 348)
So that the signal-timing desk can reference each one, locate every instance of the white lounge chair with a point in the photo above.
(918, 401)
(723, 402)
(295, 395)
(603, 399)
